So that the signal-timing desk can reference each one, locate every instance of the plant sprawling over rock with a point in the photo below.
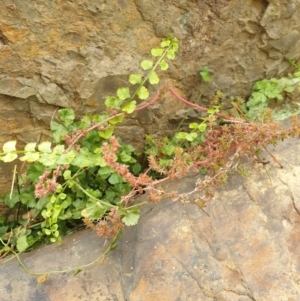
(87, 173)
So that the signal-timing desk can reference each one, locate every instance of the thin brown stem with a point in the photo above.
(274, 158)
(203, 109)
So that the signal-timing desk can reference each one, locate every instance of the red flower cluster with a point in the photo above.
(46, 185)
(109, 155)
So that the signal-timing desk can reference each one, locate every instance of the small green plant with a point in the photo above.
(273, 89)
(88, 174)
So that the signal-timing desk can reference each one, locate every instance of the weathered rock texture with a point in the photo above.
(244, 248)
(73, 53)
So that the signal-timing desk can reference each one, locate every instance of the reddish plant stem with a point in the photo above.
(151, 102)
(274, 158)
(203, 109)
(190, 104)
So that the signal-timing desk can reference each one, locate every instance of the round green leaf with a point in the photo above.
(115, 179)
(59, 149)
(66, 158)
(105, 172)
(106, 134)
(143, 93)
(130, 107)
(117, 119)
(181, 135)
(171, 54)
(9, 146)
(54, 227)
(146, 64)
(95, 210)
(67, 116)
(58, 131)
(125, 157)
(22, 243)
(62, 196)
(153, 78)
(47, 159)
(30, 157)
(53, 199)
(157, 52)
(202, 127)
(30, 147)
(123, 93)
(136, 168)
(131, 217)
(45, 147)
(9, 157)
(205, 74)
(113, 102)
(193, 125)
(175, 45)
(135, 79)
(191, 136)
(47, 232)
(56, 234)
(168, 150)
(165, 43)
(163, 65)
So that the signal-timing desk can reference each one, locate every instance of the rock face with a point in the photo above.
(73, 53)
(244, 247)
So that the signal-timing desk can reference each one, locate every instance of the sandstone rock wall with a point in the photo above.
(72, 53)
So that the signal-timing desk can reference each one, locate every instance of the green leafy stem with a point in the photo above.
(100, 259)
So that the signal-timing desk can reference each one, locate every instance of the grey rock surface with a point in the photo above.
(244, 247)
